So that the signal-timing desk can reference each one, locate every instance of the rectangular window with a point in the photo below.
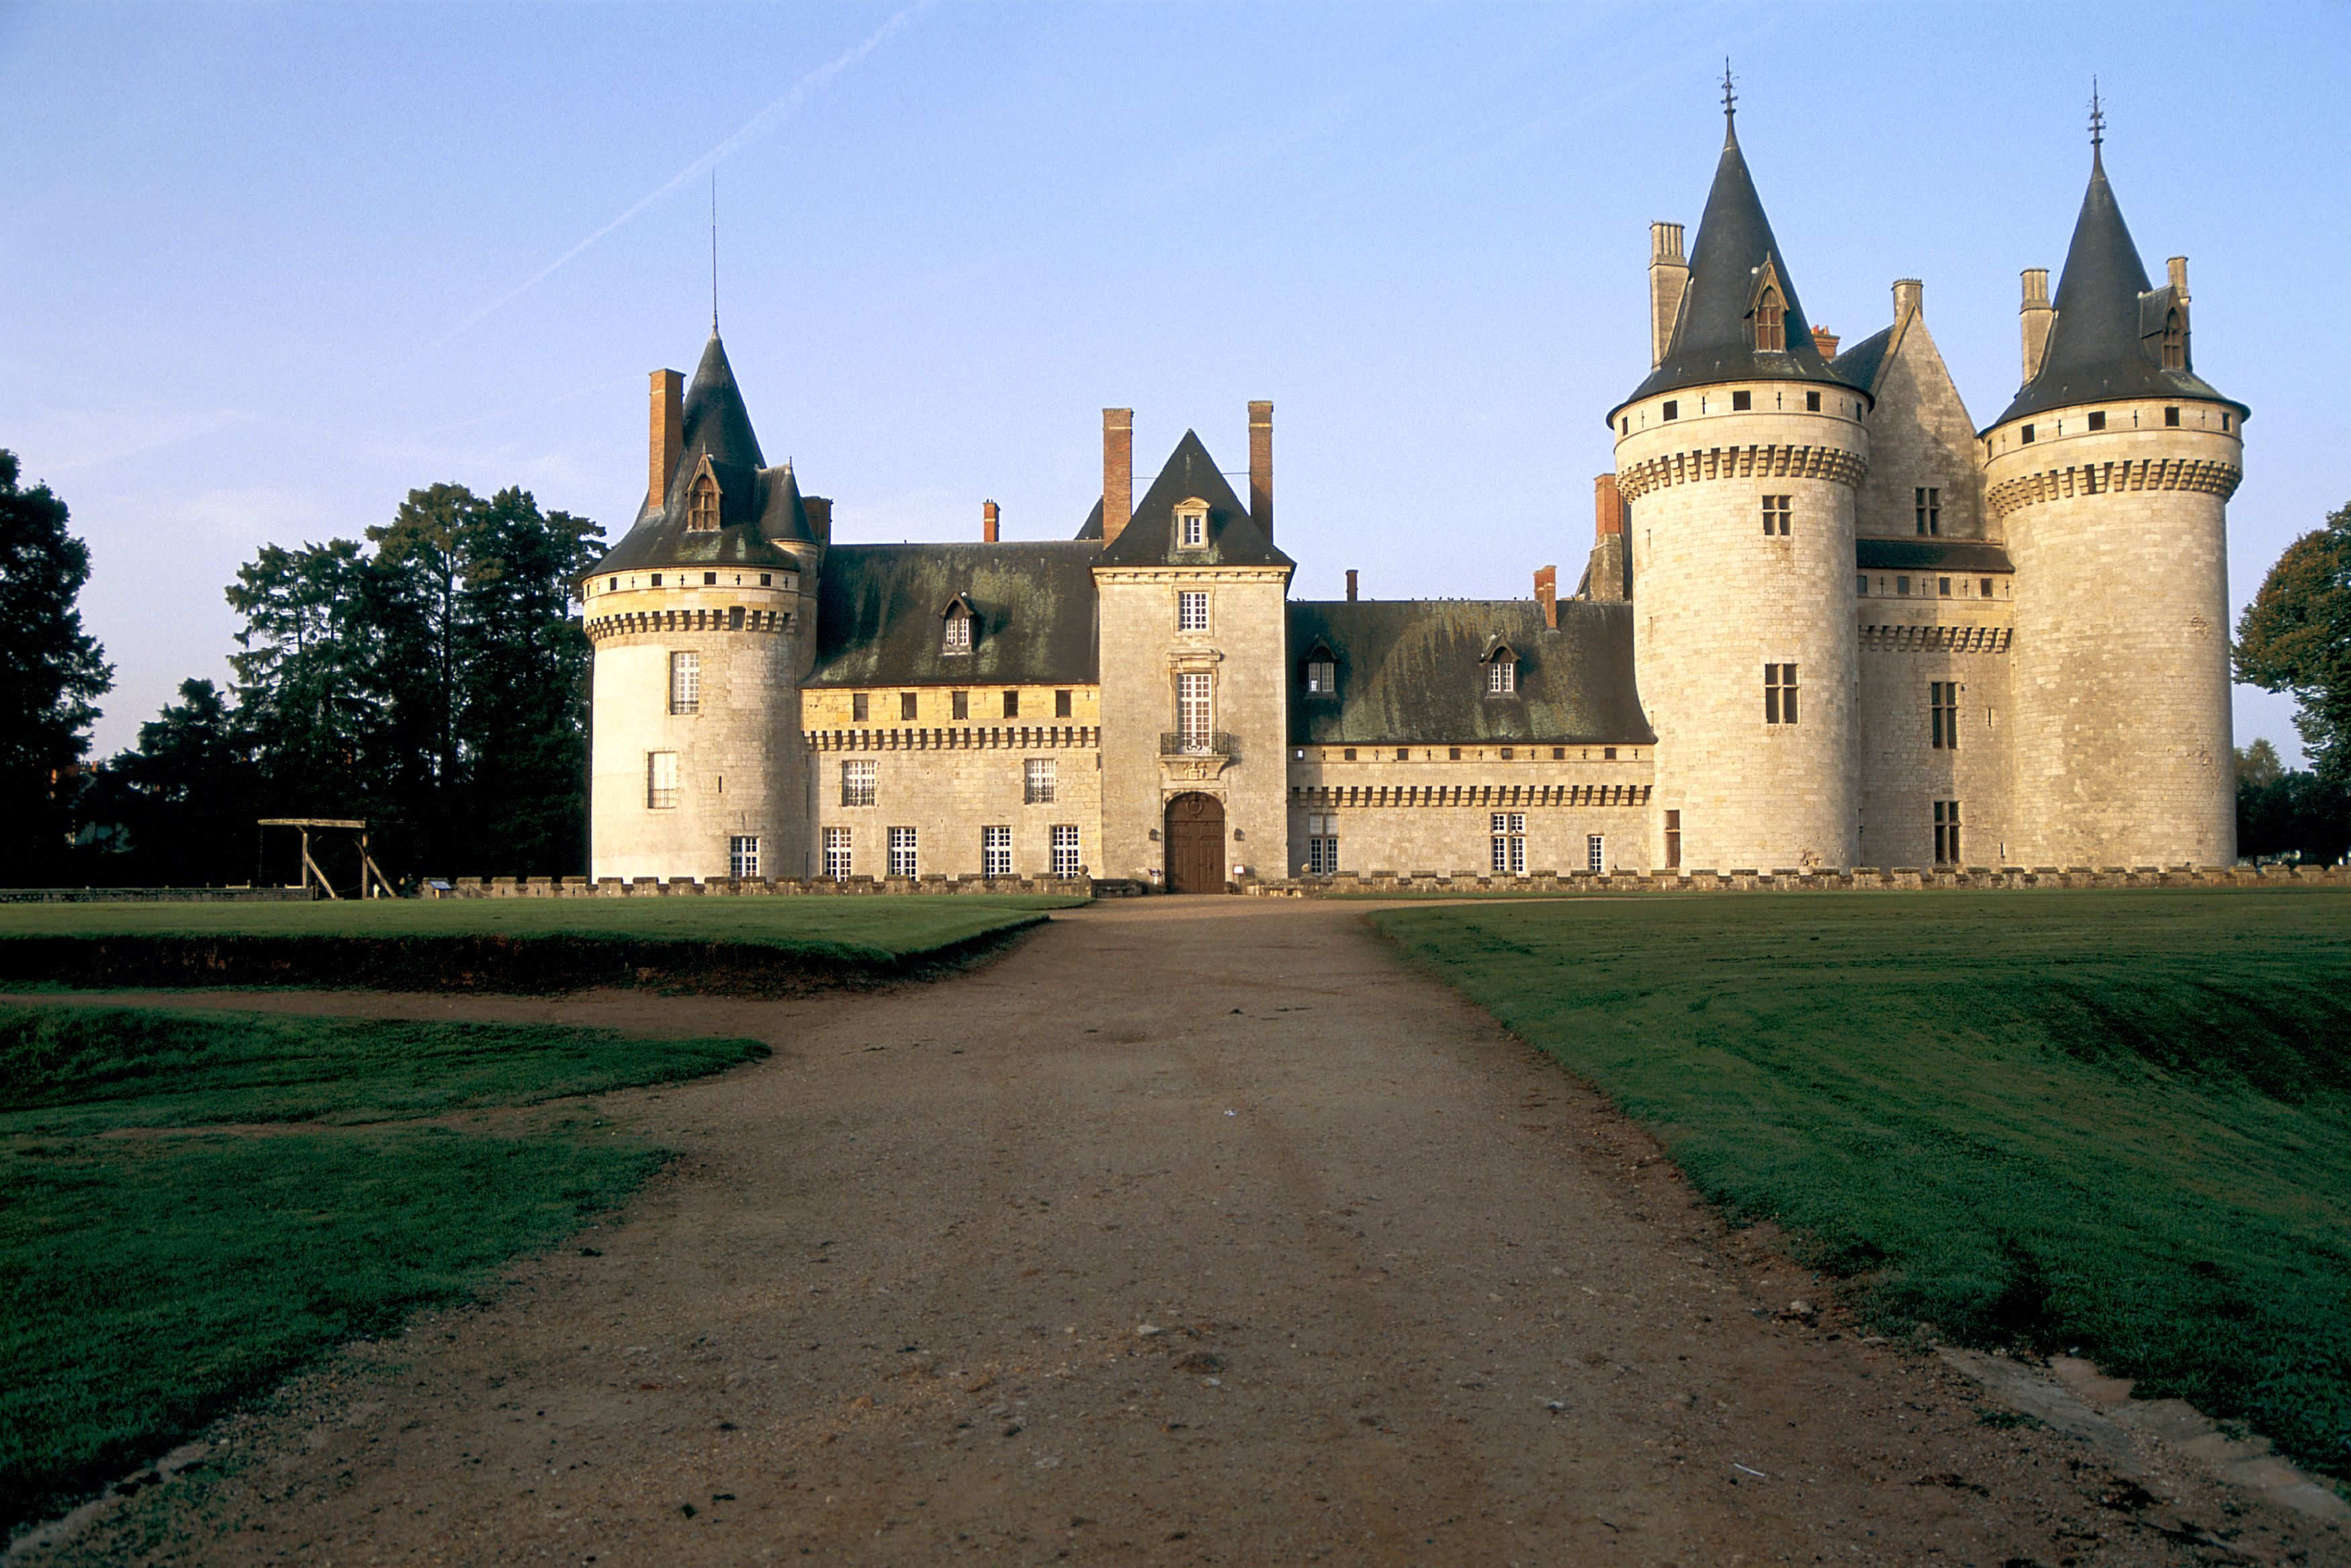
(1321, 843)
(1740, 402)
(1776, 510)
(1943, 706)
(1902, 586)
(1012, 704)
(1192, 610)
(1191, 531)
(1038, 781)
(959, 704)
(1192, 717)
(661, 780)
(685, 683)
(1943, 586)
(1984, 587)
(2028, 435)
(906, 707)
(1861, 585)
(1946, 833)
(996, 852)
(1061, 704)
(836, 854)
(955, 637)
(1673, 840)
(2098, 419)
(1811, 402)
(1508, 830)
(2171, 416)
(1065, 849)
(1322, 677)
(1502, 676)
(903, 860)
(743, 856)
(861, 706)
(1778, 694)
(1672, 410)
(1595, 852)
(1928, 501)
(857, 782)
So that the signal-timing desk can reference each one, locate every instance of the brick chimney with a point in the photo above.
(1547, 595)
(1261, 468)
(820, 517)
(668, 436)
(1351, 584)
(1607, 506)
(987, 516)
(1825, 341)
(1118, 472)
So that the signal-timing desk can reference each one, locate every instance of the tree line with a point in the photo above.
(429, 678)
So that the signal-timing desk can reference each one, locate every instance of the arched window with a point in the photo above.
(702, 506)
(1771, 322)
(2175, 341)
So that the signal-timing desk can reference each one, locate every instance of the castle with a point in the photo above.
(1826, 623)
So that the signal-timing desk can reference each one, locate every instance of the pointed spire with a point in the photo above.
(717, 423)
(1734, 261)
(714, 250)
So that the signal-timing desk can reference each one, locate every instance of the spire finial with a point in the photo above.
(1730, 96)
(2097, 121)
(714, 250)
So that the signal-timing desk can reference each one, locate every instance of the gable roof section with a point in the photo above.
(879, 608)
(1714, 337)
(1861, 365)
(2095, 351)
(1915, 554)
(1410, 673)
(1234, 538)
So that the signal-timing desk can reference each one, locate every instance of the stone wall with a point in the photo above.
(777, 887)
(1432, 809)
(948, 783)
(1906, 646)
(1859, 880)
(1920, 436)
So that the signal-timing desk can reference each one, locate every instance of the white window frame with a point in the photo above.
(1192, 528)
(1065, 849)
(1041, 781)
(1321, 843)
(860, 777)
(1502, 676)
(996, 851)
(1192, 610)
(1595, 852)
(1508, 833)
(743, 856)
(1196, 711)
(1322, 677)
(906, 853)
(955, 637)
(661, 780)
(685, 682)
(840, 853)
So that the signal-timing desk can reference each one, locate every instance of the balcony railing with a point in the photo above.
(1193, 743)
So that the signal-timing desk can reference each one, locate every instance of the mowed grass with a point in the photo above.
(872, 928)
(2113, 1120)
(193, 1207)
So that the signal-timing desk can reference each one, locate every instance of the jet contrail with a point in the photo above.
(755, 126)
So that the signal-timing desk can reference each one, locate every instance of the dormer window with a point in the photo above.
(2175, 340)
(702, 504)
(1322, 674)
(1192, 525)
(1771, 322)
(1501, 673)
(956, 626)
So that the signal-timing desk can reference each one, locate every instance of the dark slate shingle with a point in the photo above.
(880, 609)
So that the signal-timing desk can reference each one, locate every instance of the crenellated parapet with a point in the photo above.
(1700, 465)
(2208, 476)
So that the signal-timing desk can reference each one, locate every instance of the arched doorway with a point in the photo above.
(1196, 844)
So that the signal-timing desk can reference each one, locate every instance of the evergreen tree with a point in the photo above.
(185, 795)
(308, 676)
(51, 674)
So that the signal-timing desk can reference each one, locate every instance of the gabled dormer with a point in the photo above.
(702, 496)
(1501, 665)
(1767, 310)
(958, 626)
(1191, 524)
(1319, 674)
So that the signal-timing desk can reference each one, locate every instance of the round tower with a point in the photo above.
(2110, 474)
(1740, 457)
(703, 622)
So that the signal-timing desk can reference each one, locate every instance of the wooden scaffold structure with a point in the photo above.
(373, 884)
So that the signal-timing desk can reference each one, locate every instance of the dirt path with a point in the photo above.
(1412, 1296)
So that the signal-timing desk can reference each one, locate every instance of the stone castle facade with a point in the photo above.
(1827, 622)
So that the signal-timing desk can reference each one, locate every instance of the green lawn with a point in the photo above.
(193, 1207)
(2115, 1120)
(718, 944)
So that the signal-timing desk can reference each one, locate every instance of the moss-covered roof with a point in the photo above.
(880, 609)
(1234, 538)
(1410, 672)
(1913, 555)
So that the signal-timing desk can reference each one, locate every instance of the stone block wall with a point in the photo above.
(1432, 811)
(949, 782)
(1907, 646)
(1920, 436)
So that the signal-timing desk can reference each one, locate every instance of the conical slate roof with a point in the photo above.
(1190, 474)
(715, 421)
(2106, 340)
(1714, 338)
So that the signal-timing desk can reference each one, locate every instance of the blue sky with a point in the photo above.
(270, 268)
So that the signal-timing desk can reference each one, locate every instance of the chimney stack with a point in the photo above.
(1351, 584)
(1824, 342)
(2177, 267)
(1909, 296)
(987, 515)
(1607, 507)
(1547, 595)
(1668, 276)
(668, 436)
(1261, 468)
(1118, 472)
(2035, 316)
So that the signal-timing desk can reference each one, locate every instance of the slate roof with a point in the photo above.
(1234, 538)
(1714, 338)
(880, 607)
(1916, 555)
(1409, 673)
(1861, 365)
(2106, 339)
(760, 513)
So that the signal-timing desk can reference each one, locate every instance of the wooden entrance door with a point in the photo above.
(1196, 844)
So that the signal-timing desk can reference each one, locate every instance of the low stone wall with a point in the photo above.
(751, 887)
(1858, 879)
(154, 895)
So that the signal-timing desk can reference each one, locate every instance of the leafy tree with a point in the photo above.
(2259, 766)
(51, 674)
(185, 795)
(2295, 636)
(308, 673)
